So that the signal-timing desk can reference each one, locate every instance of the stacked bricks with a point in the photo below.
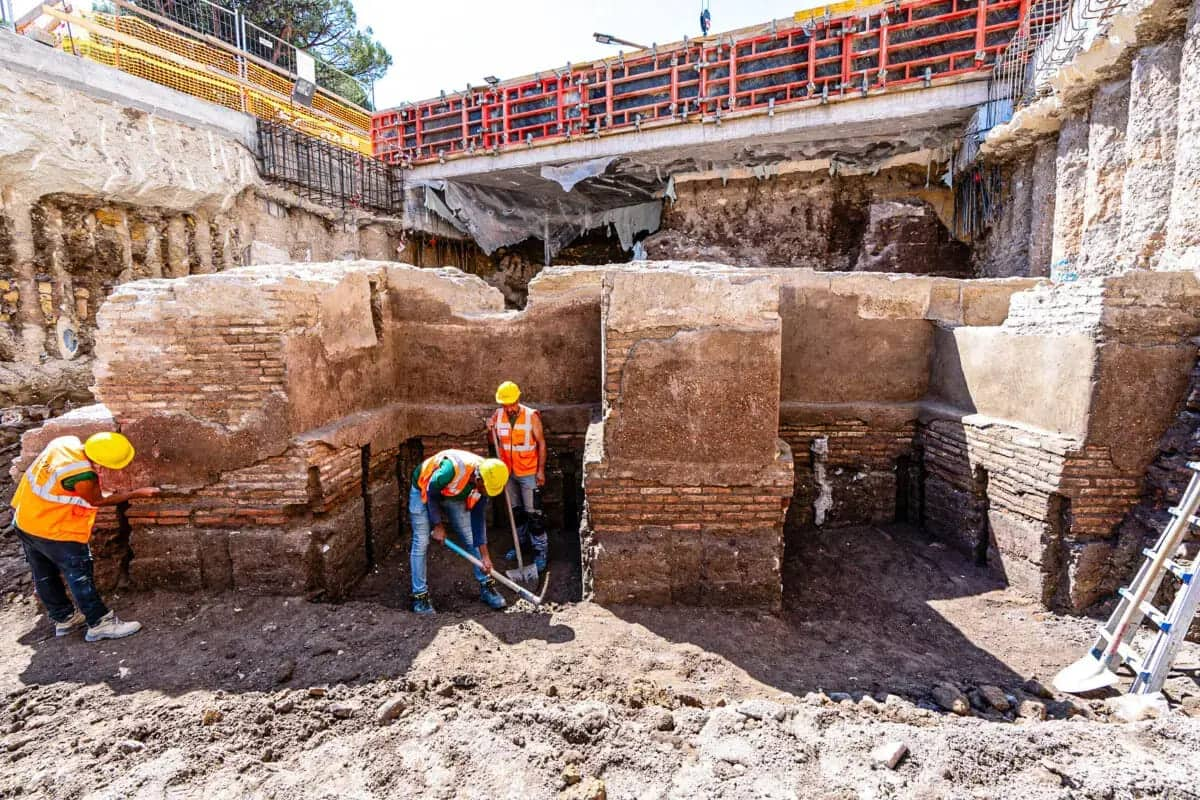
(857, 459)
(695, 545)
(686, 484)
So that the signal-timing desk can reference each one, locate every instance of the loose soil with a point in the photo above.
(267, 697)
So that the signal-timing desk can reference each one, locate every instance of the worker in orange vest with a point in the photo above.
(453, 484)
(55, 508)
(516, 431)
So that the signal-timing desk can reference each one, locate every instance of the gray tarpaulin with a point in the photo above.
(496, 217)
(568, 175)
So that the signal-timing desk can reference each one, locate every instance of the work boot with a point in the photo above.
(511, 555)
(421, 604)
(76, 622)
(539, 561)
(111, 627)
(490, 597)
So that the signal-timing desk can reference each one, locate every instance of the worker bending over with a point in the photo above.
(55, 505)
(453, 484)
(515, 430)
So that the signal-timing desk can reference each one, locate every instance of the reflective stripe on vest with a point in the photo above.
(464, 472)
(43, 507)
(518, 448)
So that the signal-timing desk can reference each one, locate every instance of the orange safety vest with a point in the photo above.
(518, 448)
(44, 508)
(465, 464)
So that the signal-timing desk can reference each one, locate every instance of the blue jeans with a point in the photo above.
(519, 493)
(51, 561)
(468, 526)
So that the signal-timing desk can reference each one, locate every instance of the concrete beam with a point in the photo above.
(884, 114)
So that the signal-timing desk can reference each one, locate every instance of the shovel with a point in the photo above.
(523, 573)
(536, 599)
(1093, 671)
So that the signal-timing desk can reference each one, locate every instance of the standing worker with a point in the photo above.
(516, 431)
(454, 484)
(55, 504)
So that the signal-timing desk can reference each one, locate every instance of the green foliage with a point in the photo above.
(326, 28)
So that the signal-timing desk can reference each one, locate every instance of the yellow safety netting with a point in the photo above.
(214, 74)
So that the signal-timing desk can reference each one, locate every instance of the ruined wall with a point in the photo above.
(895, 221)
(686, 482)
(279, 407)
(1056, 416)
(98, 188)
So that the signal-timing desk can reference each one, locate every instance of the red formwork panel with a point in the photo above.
(895, 45)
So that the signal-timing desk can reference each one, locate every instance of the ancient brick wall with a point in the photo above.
(686, 481)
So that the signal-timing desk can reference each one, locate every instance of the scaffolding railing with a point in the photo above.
(784, 65)
(203, 67)
(325, 173)
(232, 29)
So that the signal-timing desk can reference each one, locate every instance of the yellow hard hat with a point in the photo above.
(110, 450)
(508, 393)
(495, 474)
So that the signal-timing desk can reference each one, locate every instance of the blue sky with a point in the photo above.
(438, 46)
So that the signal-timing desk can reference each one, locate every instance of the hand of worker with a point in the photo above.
(486, 558)
(438, 533)
(541, 477)
(146, 491)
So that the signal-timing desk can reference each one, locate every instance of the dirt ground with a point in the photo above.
(234, 696)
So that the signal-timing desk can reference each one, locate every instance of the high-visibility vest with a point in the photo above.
(465, 464)
(518, 448)
(43, 507)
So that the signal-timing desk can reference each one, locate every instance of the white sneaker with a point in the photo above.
(109, 627)
(76, 622)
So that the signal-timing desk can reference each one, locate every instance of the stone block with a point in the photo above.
(1089, 578)
(385, 498)
(341, 548)
(1024, 553)
(165, 558)
(1102, 249)
(216, 565)
(1150, 151)
(273, 561)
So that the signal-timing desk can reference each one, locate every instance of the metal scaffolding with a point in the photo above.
(896, 45)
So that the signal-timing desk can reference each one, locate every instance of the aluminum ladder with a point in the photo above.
(1150, 670)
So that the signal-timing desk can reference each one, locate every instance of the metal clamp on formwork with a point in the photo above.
(912, 44)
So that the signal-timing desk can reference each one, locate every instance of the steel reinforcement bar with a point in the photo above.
(781, 66)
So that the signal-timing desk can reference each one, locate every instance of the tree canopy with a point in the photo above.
(329, 30)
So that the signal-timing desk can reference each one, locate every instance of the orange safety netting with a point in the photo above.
(214, 74)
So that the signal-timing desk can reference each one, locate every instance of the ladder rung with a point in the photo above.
(1181, 572)
(1152, 613)
(1175, 511)
(1128, 654)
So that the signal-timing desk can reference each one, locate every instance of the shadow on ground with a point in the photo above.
(866, 609)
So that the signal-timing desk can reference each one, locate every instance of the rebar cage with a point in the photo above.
(326, 173)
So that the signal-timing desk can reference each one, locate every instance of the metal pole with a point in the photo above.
(9, 19)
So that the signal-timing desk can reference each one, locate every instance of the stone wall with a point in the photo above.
(99, 188)
(282, 409)
(686, 482)
(895, 221)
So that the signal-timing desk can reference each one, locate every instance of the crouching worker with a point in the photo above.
(55, 506)
(453, 485)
